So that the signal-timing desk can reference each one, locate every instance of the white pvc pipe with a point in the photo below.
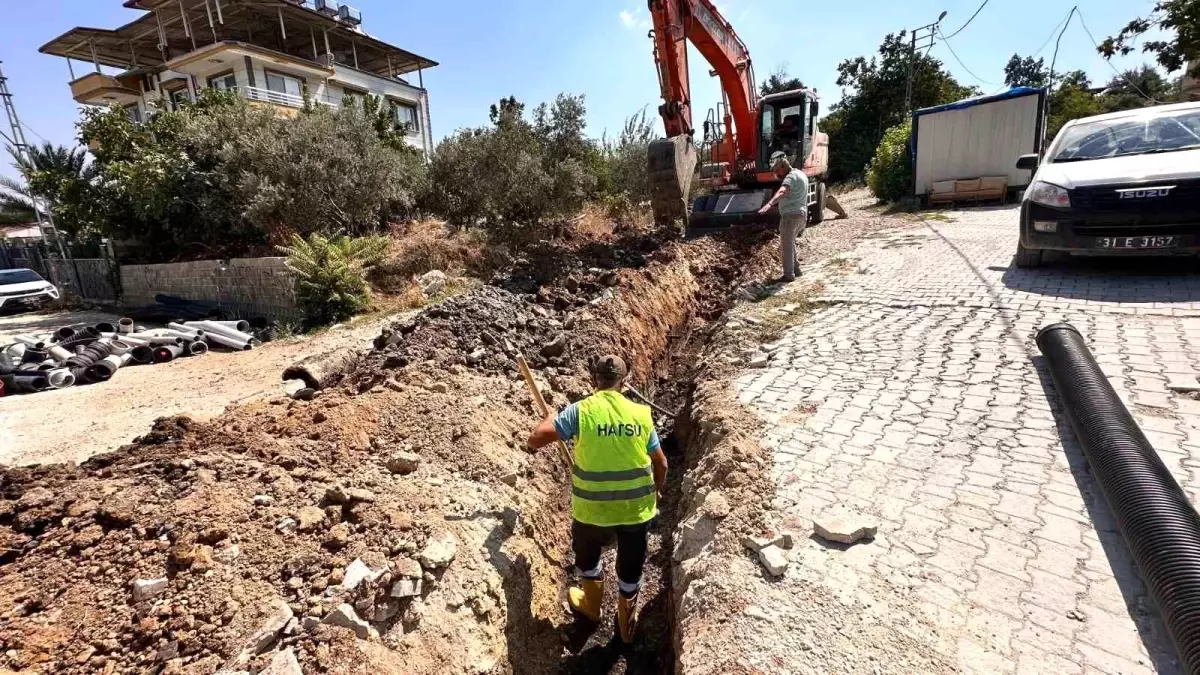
(125, 325)
(240, 325)
(165, 353)
(116, 360)
(185, 335)
(59, 353)
(196, 347)
(181, 328)
(30, 341)
(156, 340)
(120, 347)
(60, 378)
(213, 327)
(226, 341)
(16, 351)
(134, 341)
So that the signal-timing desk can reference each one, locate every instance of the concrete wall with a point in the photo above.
(250, 287)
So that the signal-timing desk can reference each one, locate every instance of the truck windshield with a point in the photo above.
(18, 277)
(1140, 135)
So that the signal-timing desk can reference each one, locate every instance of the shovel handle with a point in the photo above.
(541, 404)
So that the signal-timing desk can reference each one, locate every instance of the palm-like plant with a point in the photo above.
(15, 206)
(45, 169)
(330, 273)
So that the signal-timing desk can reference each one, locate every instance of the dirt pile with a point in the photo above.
(395, 523)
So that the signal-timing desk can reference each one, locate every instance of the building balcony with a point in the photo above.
(281, 99)
(101, 89)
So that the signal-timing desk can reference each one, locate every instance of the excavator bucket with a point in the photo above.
(671, 163)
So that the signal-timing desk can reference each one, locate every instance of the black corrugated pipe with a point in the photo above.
(25, 382)
(83, 336)
(1154, 515)
(105, 327)
(34, 355)
(64, 333)
(89, 355)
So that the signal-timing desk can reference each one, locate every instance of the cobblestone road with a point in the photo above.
(917, 395)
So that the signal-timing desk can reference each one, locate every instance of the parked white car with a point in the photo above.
(24, 287)
(1123, 183)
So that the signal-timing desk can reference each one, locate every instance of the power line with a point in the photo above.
(34, 132)
(1054, 59)
(955, 55)
(1110, 65)
(1052, 32)
(968, 23)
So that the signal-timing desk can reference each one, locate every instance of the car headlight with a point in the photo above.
(1048, 194)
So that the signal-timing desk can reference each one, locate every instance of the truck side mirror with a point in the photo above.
(1028, 162)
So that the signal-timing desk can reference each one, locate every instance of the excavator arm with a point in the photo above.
(675, 23)
(672, 160)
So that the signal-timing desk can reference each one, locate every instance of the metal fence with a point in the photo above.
(93, 279)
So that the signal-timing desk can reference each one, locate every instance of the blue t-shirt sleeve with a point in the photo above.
(653, 445)
(567, 422)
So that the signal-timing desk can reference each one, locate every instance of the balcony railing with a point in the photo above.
(283, 99)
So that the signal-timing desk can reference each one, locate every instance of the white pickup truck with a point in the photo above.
(24, 287)
(1122, 183)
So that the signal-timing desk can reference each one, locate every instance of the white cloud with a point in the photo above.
(634, 19)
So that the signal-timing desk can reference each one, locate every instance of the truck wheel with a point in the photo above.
(1027, 258)
(816, 215)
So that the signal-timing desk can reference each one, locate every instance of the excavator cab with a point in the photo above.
(786, 122)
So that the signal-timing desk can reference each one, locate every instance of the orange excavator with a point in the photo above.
(730, 168)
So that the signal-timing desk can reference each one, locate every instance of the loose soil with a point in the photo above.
(276, 501)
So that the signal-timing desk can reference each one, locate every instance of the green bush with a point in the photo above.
(889, 175)
(331, 282)
(222, 178)
(518, 172)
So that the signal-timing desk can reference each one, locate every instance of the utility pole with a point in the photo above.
(20, 148)
(921, 38)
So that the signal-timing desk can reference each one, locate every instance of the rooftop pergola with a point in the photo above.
(172, 28)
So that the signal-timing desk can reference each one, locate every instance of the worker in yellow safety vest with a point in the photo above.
(620, 471)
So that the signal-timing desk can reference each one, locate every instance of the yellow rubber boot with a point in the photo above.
(587, 598)
(627, 617)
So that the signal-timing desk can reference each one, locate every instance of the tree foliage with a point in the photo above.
(519, 171)
(779, 80)
(625, 157)
(873, 101)
(1178, 17)
(58, 177)
(1026, 72)
(330, 273)
(889, 175)
(221, 177)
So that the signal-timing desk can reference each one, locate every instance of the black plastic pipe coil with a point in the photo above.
(1153, 513)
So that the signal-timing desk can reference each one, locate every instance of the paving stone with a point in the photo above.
(930, 415)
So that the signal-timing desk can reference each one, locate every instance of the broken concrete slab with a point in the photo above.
(357, 572)
(144, 589)
(406, 588)
(344, 616)
(283, 663)
(268, 632)
(774, 560)
(439, 551)
(845, 526)
(758, 360)
(757, 544)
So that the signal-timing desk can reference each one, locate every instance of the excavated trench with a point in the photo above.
(662, 319)
(245, 512)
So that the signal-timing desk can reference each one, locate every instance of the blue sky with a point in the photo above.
(536, 48)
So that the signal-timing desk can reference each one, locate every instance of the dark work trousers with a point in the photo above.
(589, 541)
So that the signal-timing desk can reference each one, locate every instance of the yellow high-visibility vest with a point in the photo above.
(613, 479)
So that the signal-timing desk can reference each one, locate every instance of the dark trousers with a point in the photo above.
(589, 541)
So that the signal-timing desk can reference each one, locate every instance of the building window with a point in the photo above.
(135, 114)
(353, 97)
(285, 84)
(178, 98)
(225, 82)
(407, 115)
